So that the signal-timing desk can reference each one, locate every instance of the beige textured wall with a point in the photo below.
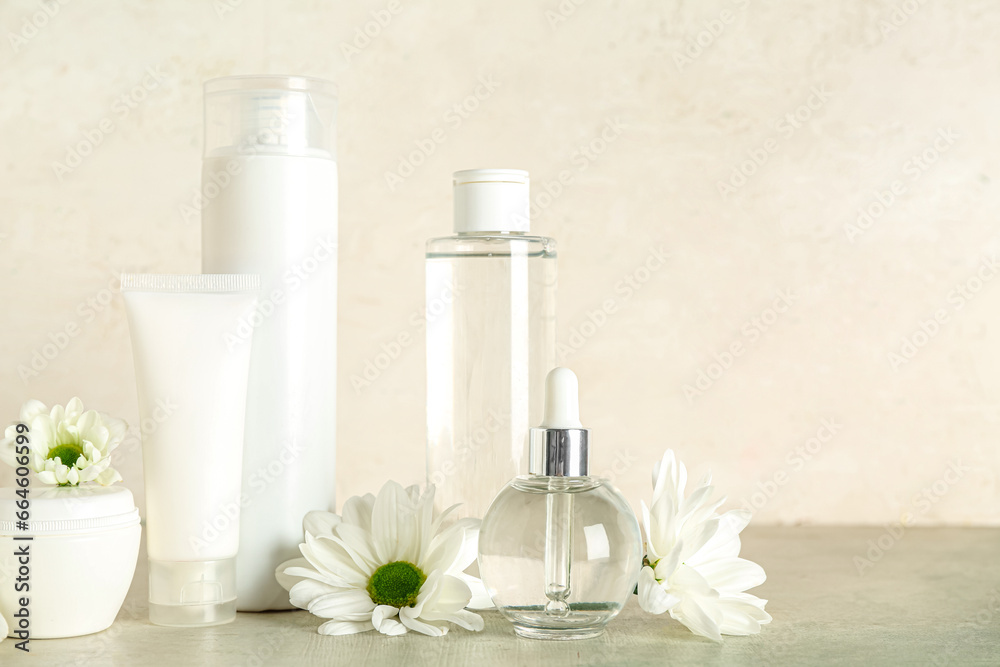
(644, 109)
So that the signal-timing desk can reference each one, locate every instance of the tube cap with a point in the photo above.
(192, 594)
(560, 447)
(491, 200)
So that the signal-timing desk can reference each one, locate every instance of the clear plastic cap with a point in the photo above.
(491, 200)
(272, 115)
(192, 594)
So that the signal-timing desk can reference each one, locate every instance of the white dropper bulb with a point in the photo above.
(562, 400)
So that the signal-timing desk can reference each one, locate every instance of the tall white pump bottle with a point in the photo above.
(269, 188)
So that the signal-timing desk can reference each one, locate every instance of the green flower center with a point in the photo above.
(68, 453)
(396, 584)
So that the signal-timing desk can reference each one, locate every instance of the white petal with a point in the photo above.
(343, 605)
(360, 542)
(8, 451)
(480, 596)
(410, 620)
(330, 559)
(62, 472)
(696, 536)
(331, 546)
(286, 581)
(695, 501)
(741, 618)
(700, 618)
(32, 409)
(357, 511)
(445, 550)
(383, 620)
(43, 434)
(3, 628)
(666, 566)
(425, 524)
(652, 596)
(73, 476)
(57, 413)
(344, 627)
(687, 581)
(465, 619)
(385, 524)
(74, 409)
(450, 593)
(306, 590)
(47, 477)
(90, 427)
(117, 430)
(732, 575)
(318, 523)
(108, 477)
(726, 541)
(309, 572)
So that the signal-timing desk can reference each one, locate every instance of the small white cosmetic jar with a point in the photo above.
(73, 562)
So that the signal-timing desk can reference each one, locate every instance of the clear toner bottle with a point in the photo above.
(491, 292)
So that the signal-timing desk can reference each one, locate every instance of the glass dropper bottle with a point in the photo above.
(559, 551)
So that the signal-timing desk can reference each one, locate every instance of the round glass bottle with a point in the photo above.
(559, 551)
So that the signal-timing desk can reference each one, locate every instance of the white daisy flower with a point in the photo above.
(389, 564)
(69, 445)
(692, 565)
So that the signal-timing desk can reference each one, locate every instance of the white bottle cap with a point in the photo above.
(562, 400)
(491, 200)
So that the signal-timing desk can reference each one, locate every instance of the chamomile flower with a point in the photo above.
(387, 563)
(692, 565)
(67, 445)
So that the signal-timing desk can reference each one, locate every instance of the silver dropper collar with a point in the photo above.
(560, 446)
(559, 452)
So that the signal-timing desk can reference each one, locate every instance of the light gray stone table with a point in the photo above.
(929, 597)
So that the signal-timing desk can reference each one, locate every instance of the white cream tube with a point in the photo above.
(191, 369)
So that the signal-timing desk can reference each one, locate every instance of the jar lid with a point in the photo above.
(65, 509)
